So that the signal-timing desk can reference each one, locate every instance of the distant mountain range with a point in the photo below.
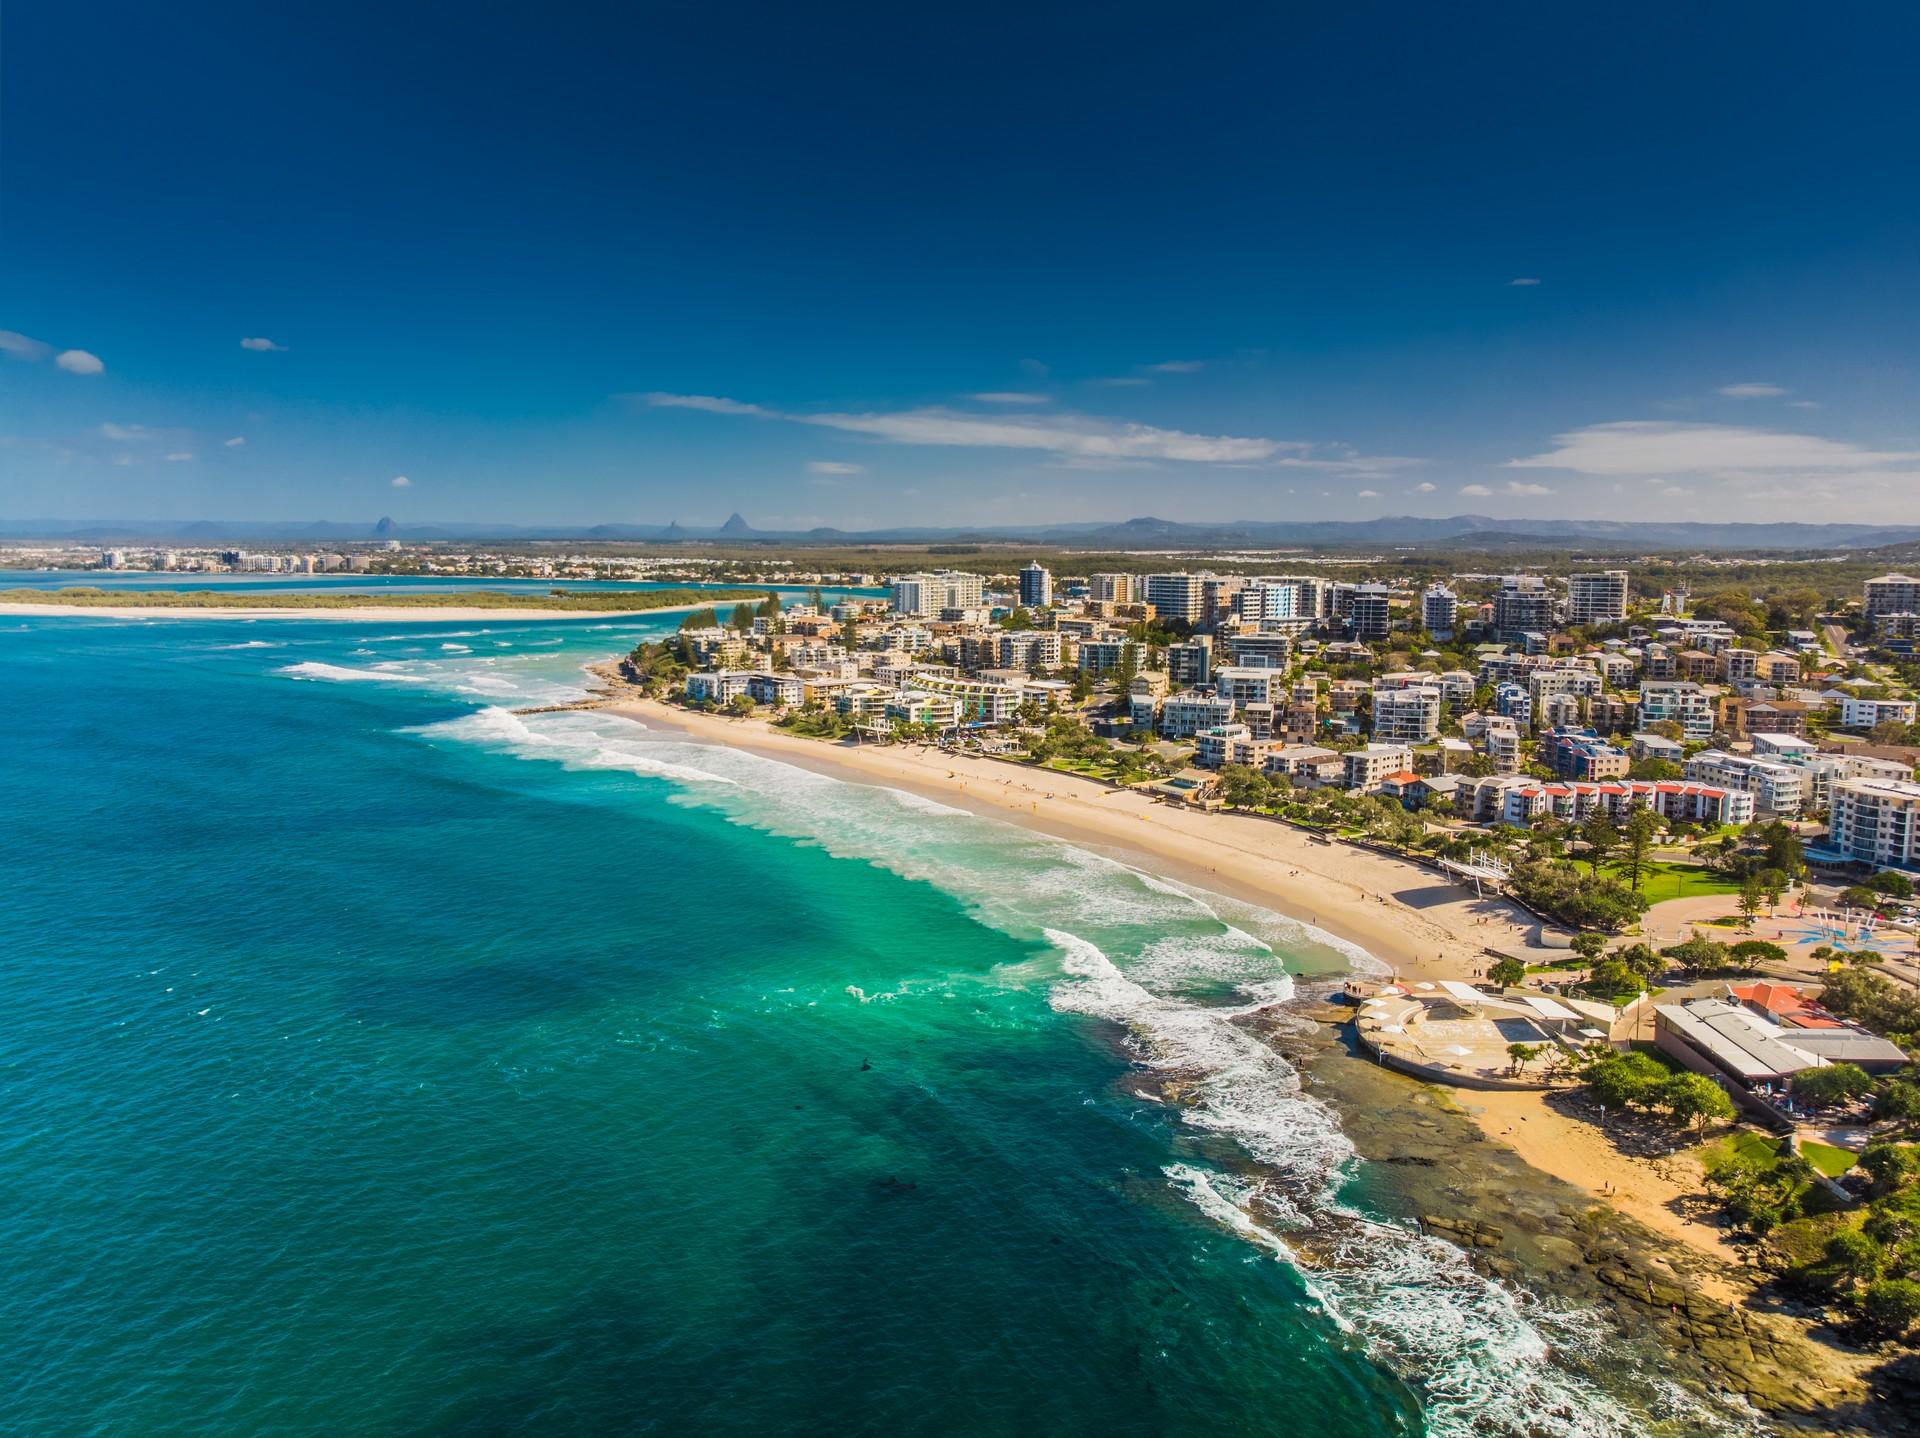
(1463, 531)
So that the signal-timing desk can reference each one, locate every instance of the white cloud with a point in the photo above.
(1367, 494)
(235, 442)
(1514, 486)
(1009, 396)
(834, 466)
(179, 456)
(1643, 447)
(1064, 434)
(123, 459)
(1122, 381)
(125, 433)
(710, 404)
(1034, 369)
(1524, 280)
(1425, 488)
(1803, 404)
(1755, 389)
(79, 362)
(400, 481)
(256, 342)
(1176, 367)
(1478, 491)
(21, 347)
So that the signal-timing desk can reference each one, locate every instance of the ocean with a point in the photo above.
(377, 1060)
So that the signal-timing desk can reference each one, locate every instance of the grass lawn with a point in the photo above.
(1826, 1158)
(1760, 1152)
(1668, 879)
(1753, 1149)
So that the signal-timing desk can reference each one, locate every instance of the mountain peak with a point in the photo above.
(386, 526)
(736, 525)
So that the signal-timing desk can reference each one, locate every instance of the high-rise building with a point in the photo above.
(1877, 821)
(1522, 605)
(924, 595)
(1114, 588)
(1439, 611)
(1178, 596)
(1597, 597)
(1036, 586)
(1892, 594)
(1369, 612)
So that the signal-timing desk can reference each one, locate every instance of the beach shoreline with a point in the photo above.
(1408, 918)
(1423, 928)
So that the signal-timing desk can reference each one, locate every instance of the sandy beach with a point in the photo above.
(1403, 914)
(367, 613)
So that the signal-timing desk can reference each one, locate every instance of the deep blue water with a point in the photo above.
(378, 1061)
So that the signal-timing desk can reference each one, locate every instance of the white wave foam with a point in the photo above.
(564, 739)
(248, 644)
(457, 648)
(1417, 1302)
(341, 674)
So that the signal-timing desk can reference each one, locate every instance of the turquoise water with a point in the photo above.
(376, 1060)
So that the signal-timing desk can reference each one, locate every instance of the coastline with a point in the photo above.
(368, 613)
(1405, 916)
(1549, 1196)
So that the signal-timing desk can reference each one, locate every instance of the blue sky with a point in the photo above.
(882, 264)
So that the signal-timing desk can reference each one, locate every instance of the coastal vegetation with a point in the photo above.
(585, 601)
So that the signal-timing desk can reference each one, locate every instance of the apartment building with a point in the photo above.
(1776, 788)
(1865, 713)
(1439, 611)
(1243, 685)
(1178, 596)
(1677, 702)
(1036, 586)
(1230, 744)
(1406, 714)
(1892, 594)
(1877, 821)
(1582, 754)
(1370, 613)
(1185, 714)
(1522, 605)
(1597, 597)
(1364, 768)
(1114, 588)
(1029, 649)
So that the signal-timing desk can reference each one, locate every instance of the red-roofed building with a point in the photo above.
(1784, 1004)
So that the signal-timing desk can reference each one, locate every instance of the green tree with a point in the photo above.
(1636, 846)
(1890, 1308)
(1244, 787)
(1589, 946)
(1750, 954)
(700, 619)
(1832, 1084)
(1508, 973)
(1601, 835)
(769, 607)
(742, 618)
(1521, 1055)
(1753, 899)
(1698, 955)
(1897, 886)
(740, 704)
(1695, 1099)
(1629, 1080)
(1853, 1256)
